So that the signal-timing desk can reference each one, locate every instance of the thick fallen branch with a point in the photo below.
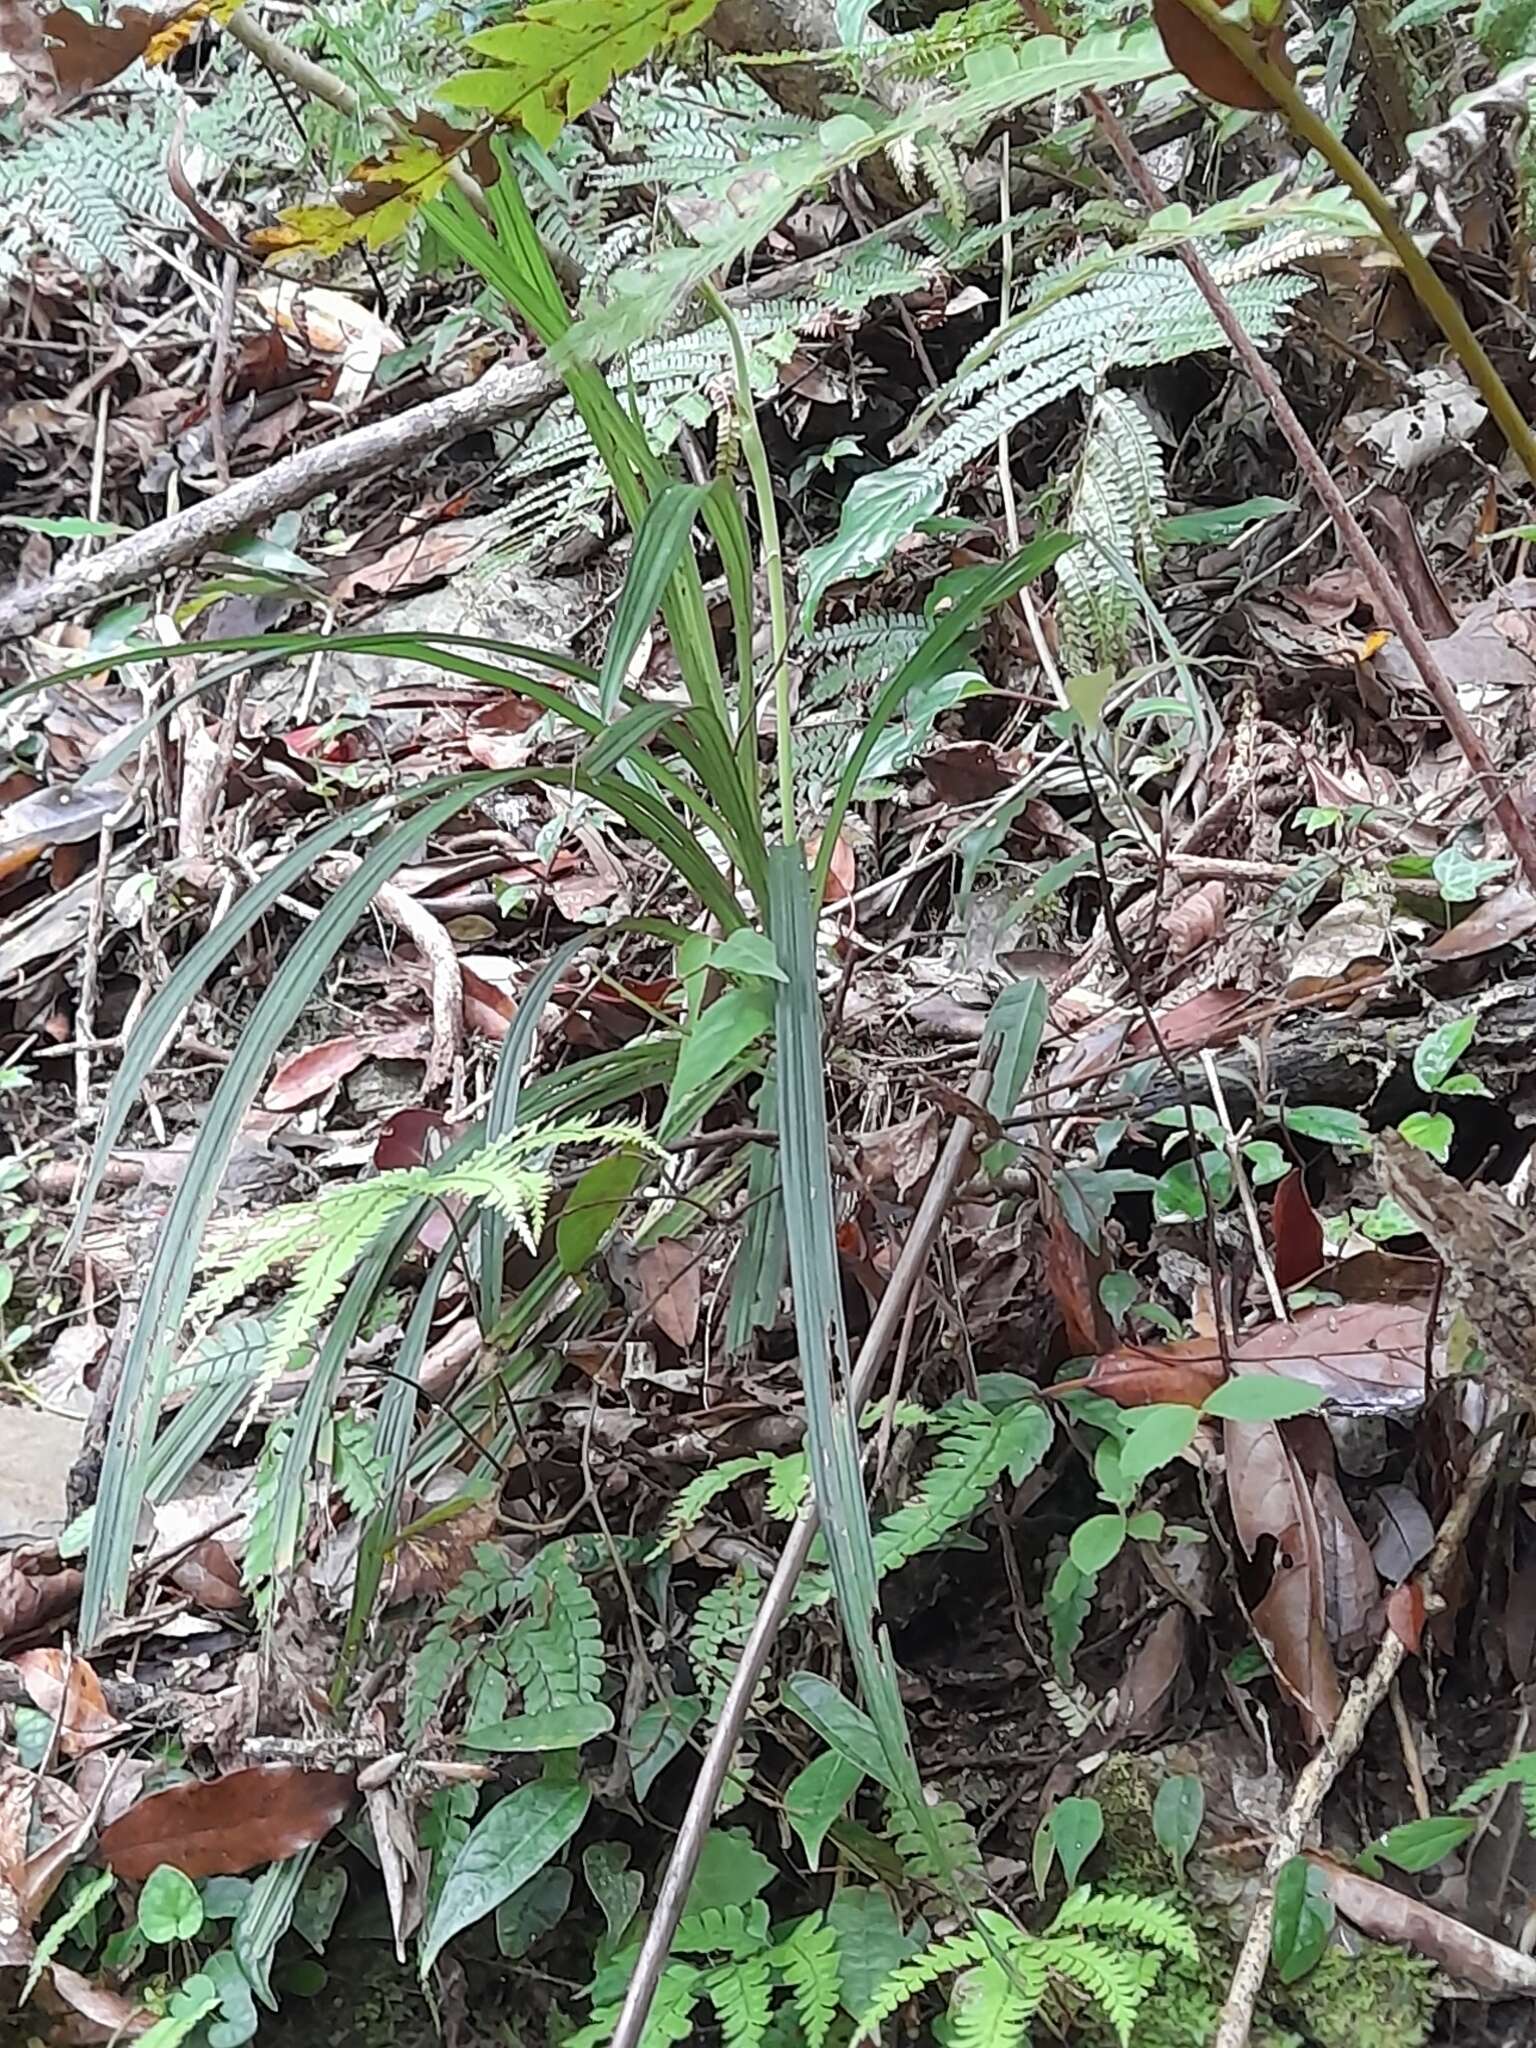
(502, 394)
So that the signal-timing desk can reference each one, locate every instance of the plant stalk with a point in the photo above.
(1432, 293)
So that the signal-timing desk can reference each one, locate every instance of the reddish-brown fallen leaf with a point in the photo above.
(670, 1280)
(1183, 1372)
(901, 1155)
(220, 1827)
(1073, 1273)
(315, 1071)
(210, 1578)
(1387, 1914)
(1298, 1232)
(1364, 1355)
(494, 736)
(1202, 1022)
(69, 1692)
(1405, 1614)
(96, 2012)
(412, 1137)
(488, 1010)
(1271, 1500)
(1209, 65)
(1498, 922)
(1351, 1588)
(843, 870)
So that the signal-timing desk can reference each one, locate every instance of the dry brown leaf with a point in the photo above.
(1073, 1273)
(220, 1827)
(901, 1155)
(414, 559)
(496, 736)
(1348, 944)
(669, 1275)
(1209, 65)
(1183, 1372)
(969, 772)
(1198, 918)
(1363, 1355)
(1297, 1232)
(210, 1578)
(65, 1688)
(1386, 1914)
(1272, 1507)
(1502, 919)
(315, 1071)
(35, 1589)
(1210, 1019)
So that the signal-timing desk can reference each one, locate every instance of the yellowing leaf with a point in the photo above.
(381, 195)
(178, 29)
(560, 56)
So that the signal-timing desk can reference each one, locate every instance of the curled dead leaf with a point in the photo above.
(1196, 919)
(66, 1689)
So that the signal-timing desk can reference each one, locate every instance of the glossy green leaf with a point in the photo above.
(1431, 1130)
(659, 1732)
(1154, 1437)
(593, 1206)
(169, 1907)
(839, 1722)
(528, 1734)
(735, 1020)
(1096, 1543)
(513, 1843)
(1418, 1844)
(1345, 1128)
(1436, 1055)
(1076, 1828)
(748, 952)
(664, 532)
(617, 1889)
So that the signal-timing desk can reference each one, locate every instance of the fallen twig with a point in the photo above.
(436, 947)
(953, 1164)
(1320, 1775)
(500, 395)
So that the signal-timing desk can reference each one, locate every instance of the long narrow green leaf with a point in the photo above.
(136, 1412)
(930, 659)
(501, 1114)
(831, 1426)
(759, 1275)
(627, 736)
(664, 532)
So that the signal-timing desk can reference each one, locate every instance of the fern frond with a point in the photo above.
(939, 1960)
(992, 2005)
(723, 1930)
(740, 1992)
(789, 1481)
(556, 1652)
(688, 1509)
(940, 1846)
(979, 1446)
(1519, 1770)
(722, 1621)
(1117, 1980)
(809, 1961)
(1157, 1922)
(1118, 494)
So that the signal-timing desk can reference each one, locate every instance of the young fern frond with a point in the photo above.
(978, 1447)
(722, 1622)
(939, 1960)
(992, 2005)
(740, 1992)
(1117, 1980)
(1155, 1922)
(939, 1846)
(556, 1652)
(1118, 493)
(327, 1236)
(809, 1961)
(690, 1506)
(734, 1931)
(1519, 1770)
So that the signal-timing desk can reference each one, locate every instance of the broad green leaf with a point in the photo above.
(1076, 1829)
(817, 1796)
(1303, 1919)
(169, 1907)
(880, 511)
(1461, 877)
(1015, 1026)
(839, 1722)
(1068, 1598)
(1431, 1131)
(1177, 1812)
(666, 529)
(68, 528)
(513, 1843)
(1345, 1128)
(659, 1732)
(592, 1208)
(1261, 1397)
(870, 1942)
(1155, 1436)
(563, 1728)
(1096, 1543)
(732, 1871)
(1436, 1055)
(1179, 1193)
(734, 1021)
(1417, 1844)
(1506, 29)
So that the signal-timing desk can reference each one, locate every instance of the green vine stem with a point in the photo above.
(1434, 296)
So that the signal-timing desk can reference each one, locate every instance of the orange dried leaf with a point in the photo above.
(69, 1692)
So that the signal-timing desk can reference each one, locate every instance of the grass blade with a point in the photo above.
(664, 532)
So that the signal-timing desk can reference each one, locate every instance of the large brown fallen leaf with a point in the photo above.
(220, 1827)
(97, 2012)
(1271, 1500)
(1498, 922)
(1389, 1915)
(69, 1692)
(670, 1278)
(35, 1588)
